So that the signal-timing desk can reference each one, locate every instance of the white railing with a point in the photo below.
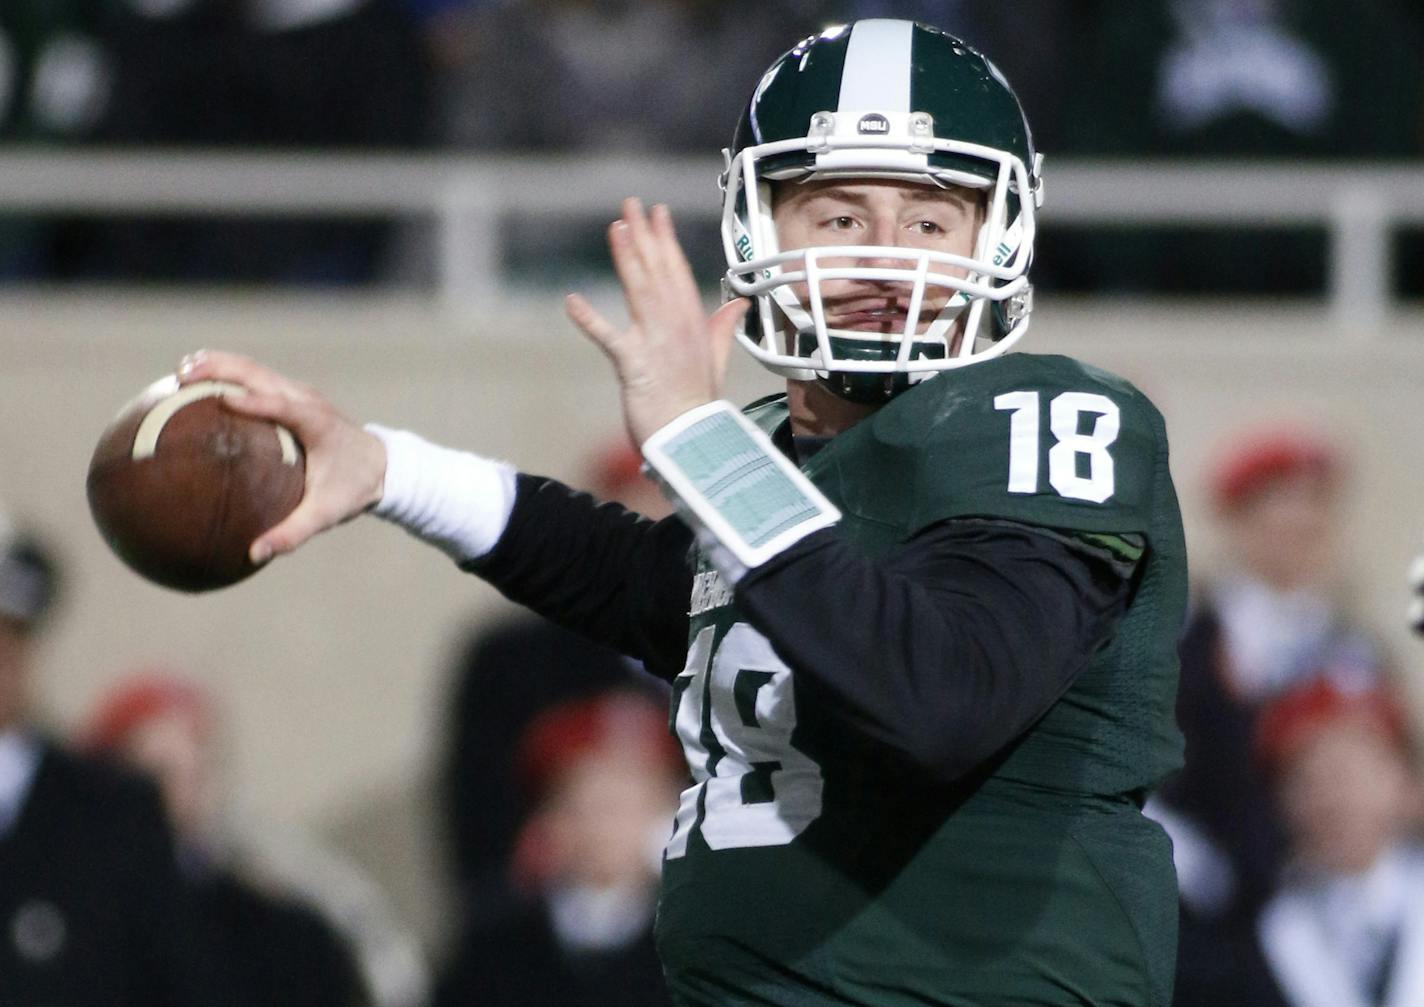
(468, 197)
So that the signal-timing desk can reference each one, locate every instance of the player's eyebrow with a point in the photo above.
(955, 194)
(835, 192)
(918, 194)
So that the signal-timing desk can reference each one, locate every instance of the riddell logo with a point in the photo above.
(874, 123)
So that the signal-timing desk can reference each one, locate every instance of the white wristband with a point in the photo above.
(456, 501)
(745, 499)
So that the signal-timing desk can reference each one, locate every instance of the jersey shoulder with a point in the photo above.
(1042, 439)
(1052, 374)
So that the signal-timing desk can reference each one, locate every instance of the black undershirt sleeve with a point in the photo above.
(598, 569)
(944, 649)
(951, 645)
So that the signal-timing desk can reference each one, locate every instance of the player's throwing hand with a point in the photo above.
(345, 465)
(672, 357)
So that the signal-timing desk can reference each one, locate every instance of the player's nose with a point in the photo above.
(885, 232)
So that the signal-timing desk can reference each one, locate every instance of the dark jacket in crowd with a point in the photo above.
(255, 948)
(504, 680)
(517, 961)
(1223, 791)
(89, 894)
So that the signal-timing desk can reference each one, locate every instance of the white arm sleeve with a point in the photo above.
(456, 501)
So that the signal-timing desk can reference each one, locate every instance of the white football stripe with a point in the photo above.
(876, 76)
(146, 437)
(288, 444)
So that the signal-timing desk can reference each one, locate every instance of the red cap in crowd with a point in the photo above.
(140, 698)
(625, 723)
(1261, 458)
(615, 468)
(1289, 723)
(615, 721)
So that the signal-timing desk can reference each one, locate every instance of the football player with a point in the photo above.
(919, 612)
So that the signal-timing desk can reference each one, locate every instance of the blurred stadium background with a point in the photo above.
(387, 198)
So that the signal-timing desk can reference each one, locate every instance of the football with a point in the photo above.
(180, 487)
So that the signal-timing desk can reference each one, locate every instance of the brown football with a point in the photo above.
(180, 487)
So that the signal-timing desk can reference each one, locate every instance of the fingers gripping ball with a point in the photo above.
(180, 487)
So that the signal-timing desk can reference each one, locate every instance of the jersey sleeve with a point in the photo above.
(949, 645)
(598, 569)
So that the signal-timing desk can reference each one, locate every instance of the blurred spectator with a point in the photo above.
(290, 74)
(451, 31)
(293, 859)
(55, 70)
(1267, 623)
(250, 946)
(617, 75)
(1347, 927)
(90, 912)
(505, 679)
(603, 775)
(56, 75)
(1262, 79)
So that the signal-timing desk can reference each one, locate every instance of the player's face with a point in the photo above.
(880, 212)
(1347, 796)
(172, 749)
(605, 816)
(1285, 534)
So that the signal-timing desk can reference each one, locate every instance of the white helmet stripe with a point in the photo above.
(876, 74)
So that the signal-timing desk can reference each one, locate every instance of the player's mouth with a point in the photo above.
(871, 320)
(881, 318)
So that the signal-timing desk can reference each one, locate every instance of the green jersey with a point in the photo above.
(807, 868)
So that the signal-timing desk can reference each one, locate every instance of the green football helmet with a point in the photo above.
(882, 99)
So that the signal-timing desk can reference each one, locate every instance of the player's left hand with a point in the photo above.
(672, 357)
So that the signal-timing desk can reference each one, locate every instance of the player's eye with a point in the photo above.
(841, 223)
(926, 227)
